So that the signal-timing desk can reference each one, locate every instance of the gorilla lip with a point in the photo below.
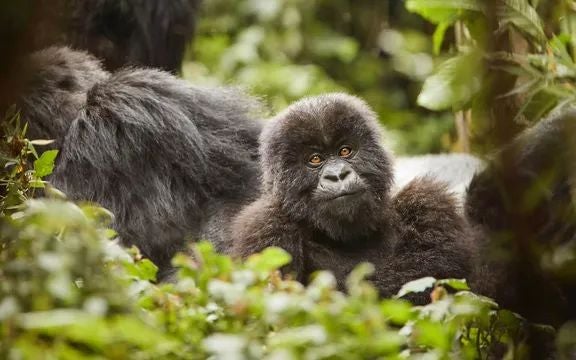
(347, 193)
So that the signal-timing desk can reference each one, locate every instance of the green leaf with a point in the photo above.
(45, 164)
(433, 334)
(456, 284)
(359, 273)
(143, 269)
(438, 36)
(271, 258)
(41, 142)
(443, 11)
(97, 214)
(416, 286)
(37, 183)
(398, 311)
(522, 16)
(454, 83)
(110, 233)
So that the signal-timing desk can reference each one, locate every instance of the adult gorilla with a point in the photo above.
(152, 33)
(172, 161)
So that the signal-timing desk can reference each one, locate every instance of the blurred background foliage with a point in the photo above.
(510, 61)
(283, 50)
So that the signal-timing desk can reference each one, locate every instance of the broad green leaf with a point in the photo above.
(45, 164)
(454, 83)
(443, 11)
(432, 334)
(397, 310)
(524, 17)
(416, 286)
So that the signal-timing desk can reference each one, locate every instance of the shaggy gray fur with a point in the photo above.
(55, 90)
(172, 161)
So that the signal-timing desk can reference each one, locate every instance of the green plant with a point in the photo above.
(283, 50)
(67, 292)
(516, 52)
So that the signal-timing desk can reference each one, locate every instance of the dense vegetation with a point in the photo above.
(515, 55)
(67, 291)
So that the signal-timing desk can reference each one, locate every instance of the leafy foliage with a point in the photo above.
(540, 60)
(18, 178)
(73, 294)
(68, 291)
(283, 50)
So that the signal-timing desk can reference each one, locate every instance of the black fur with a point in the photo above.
(133, 32)
(524, 205)
(415, 234)
(172, 161)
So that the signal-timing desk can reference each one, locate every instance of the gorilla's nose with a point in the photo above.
(336, 172)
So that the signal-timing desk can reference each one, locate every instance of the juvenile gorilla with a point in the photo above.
(326, 200)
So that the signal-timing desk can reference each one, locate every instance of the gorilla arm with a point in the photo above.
(261, 225)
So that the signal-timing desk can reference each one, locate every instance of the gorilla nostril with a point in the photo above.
(331, 177)
(344, 174)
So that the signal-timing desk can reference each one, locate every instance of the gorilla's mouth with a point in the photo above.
(347, 194)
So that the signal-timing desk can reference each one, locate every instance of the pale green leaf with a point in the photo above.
(522, 16)
(454, 83)
(45, 163)
(41, 142)
(443, 11)
(416, 286)
(271, 258)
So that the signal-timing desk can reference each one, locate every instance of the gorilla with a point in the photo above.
(523, 206)
(326, 200)
(151, 33)
(172, 161)
(176, 162)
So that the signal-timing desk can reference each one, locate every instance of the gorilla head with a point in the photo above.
(323, 160)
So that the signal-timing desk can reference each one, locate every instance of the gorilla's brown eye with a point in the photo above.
(345, 151)
(315, 159)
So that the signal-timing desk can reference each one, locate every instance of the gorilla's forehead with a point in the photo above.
(324, 124)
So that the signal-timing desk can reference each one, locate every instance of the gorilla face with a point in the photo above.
(323, 160)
